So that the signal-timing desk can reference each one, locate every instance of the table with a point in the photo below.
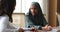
(55, 29)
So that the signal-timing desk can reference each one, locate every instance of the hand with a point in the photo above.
(33, 29)
(21, 30)
(48, 28)
(45, 27)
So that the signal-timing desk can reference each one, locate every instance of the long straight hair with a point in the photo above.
(7, 7)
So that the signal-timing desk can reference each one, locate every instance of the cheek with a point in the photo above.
(32, 10)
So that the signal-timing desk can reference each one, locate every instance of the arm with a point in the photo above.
(44, 23)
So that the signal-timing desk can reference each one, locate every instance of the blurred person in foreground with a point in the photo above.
(6, 10)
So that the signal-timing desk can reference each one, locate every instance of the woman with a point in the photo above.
(35, 18)
(6, 9)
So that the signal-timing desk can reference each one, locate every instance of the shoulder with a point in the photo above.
(4, 18)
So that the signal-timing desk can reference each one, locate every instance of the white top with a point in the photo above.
(5, 25)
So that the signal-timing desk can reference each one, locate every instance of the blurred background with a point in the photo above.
(50, 9)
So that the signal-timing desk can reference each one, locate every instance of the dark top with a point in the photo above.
(36, 21)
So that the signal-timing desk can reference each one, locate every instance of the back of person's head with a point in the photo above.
(7, 7)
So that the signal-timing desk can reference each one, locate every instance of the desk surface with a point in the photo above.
(55, 29)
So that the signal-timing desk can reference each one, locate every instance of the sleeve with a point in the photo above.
(4, 25)
(44, 22)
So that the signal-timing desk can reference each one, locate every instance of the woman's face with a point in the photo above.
(33, 10)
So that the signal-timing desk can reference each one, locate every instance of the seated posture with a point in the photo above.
(6, 9)
(35, 18)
